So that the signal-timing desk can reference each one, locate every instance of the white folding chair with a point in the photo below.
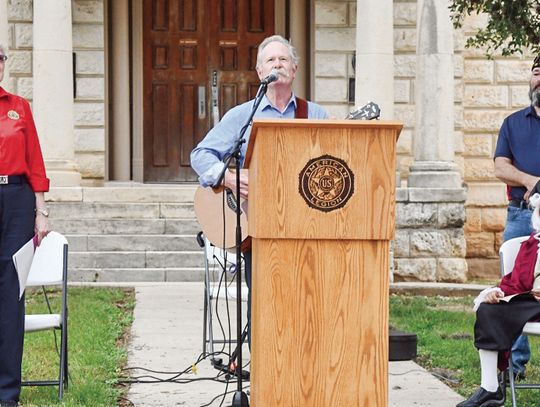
(216, 262)
(49, 268)
(507, 254)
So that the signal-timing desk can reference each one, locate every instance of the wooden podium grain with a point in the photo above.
(320, 279)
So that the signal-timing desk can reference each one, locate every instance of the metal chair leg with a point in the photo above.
(66, 369)
(205, 311)
(510, 374)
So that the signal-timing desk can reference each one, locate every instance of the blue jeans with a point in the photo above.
(518, 223)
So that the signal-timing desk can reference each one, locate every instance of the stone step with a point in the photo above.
(125, 226)
(135, 274)
(133, 259)
(124, 192)
(121, 210)
(129, 231)
(132, 243)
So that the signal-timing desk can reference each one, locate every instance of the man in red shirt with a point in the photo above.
(23, 214)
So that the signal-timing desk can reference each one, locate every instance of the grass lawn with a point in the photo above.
(444, 327)
(100, 317)
(98, 320)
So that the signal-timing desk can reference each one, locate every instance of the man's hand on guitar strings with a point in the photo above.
(229, 181)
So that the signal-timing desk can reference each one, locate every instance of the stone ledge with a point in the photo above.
(132, 192)
(405, 288)
(432, 289)
(134, 276)
(64, 194)
(437, 194)
(402, 194)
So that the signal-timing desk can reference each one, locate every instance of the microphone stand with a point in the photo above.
(240, 398)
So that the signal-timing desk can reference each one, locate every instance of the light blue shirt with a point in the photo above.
(206, 158)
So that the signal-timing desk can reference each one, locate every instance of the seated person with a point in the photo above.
(499, 323)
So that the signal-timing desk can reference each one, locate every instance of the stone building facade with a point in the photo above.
(447, 231)
(485, 92)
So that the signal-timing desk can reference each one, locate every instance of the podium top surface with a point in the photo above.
(317, 123)
(327, 123)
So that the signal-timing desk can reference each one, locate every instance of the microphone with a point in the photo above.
(274, 76)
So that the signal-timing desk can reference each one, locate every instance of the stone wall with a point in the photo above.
(492, 89)
(430, 242)
(20, 47)
(335, 43)
(89, 48)
(486, 91)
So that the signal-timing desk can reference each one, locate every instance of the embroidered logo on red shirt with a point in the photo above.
(13, 115)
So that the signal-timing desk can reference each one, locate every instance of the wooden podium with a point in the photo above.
(321, 215)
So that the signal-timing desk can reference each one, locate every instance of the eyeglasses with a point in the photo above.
(3, 58)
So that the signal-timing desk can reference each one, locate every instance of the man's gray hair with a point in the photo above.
(280, 39)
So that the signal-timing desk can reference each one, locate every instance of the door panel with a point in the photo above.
(160, 103)
(184, 43)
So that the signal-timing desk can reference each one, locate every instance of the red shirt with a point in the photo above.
(20, 153)
(521, 278)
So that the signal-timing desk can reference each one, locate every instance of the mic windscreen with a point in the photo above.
(272, 77)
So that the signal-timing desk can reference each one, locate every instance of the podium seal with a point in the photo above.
(326, 183)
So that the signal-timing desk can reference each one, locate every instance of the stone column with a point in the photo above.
(53, 89)
(4, 40)
(298, 10)
(121, 128)
(434, 165)
(137, 90)
(375, 55)
(430, 213)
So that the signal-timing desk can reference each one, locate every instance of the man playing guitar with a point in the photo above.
(275, 56)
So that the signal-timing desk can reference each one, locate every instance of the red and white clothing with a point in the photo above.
(498, 325)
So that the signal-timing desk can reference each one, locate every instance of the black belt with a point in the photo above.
(12, 179)
(519, 203)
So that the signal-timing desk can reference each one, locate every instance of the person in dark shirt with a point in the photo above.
(517, 165)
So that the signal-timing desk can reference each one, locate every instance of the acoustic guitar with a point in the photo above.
(215, 208)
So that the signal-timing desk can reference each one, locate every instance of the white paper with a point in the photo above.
(23, 262)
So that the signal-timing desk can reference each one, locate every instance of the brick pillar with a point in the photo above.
(53, 89)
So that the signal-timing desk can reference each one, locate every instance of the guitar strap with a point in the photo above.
(301, 109)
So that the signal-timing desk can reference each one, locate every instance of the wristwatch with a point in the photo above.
(44, 211)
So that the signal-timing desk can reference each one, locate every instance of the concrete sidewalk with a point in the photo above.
(167, 336)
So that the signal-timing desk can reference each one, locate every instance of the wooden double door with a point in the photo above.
(199, 60)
